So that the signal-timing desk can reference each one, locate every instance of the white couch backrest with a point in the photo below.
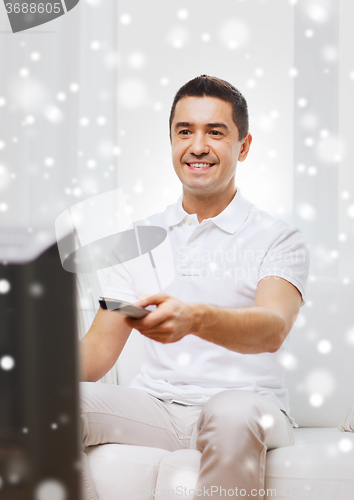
(322, 342)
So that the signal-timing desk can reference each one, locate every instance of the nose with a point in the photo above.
(199, 145)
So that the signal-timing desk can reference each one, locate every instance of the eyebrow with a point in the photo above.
(208, 125)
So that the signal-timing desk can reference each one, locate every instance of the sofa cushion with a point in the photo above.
(319, 466)
(124, 471)
(178, 473)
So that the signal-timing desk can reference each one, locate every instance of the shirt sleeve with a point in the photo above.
(119, 284)
(288, 258)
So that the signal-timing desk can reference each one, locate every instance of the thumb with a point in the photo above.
(156, 299)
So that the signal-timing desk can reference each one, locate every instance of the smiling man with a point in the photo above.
(205, 150)
(212, 375)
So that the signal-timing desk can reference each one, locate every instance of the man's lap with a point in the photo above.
(126, 415)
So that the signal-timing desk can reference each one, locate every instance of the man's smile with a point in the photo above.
(200, 165)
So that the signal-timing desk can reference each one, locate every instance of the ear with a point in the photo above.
(245, 147)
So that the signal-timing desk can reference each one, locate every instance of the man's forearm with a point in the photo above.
(248, 330)
(102, 345)
(93, 365)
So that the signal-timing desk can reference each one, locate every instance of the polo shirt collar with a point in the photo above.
(229, 220)
(176, 213)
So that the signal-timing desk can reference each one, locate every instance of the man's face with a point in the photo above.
(205, 145)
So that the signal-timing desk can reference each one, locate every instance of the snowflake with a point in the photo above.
(7, 362)
(95, 45)
(24, 72)
(35, 56)
(125, 19)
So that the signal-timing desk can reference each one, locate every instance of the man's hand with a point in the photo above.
(171, 321)
(248, 330)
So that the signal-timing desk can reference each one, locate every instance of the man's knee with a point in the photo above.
(234, 411)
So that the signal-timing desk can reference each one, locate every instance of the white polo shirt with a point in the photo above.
(217, 262)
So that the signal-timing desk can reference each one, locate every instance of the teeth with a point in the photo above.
(200, 165)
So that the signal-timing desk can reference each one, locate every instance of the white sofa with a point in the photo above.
(320, 376)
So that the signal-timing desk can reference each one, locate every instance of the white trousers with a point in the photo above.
(233, 432)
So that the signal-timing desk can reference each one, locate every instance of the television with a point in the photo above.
(39, 426)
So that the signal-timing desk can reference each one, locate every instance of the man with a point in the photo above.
(212, 374)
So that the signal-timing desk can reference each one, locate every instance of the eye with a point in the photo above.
(184, 132)
(215, 133)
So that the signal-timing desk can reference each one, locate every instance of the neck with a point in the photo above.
(207, 205)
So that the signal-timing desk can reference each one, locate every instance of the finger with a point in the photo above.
(143, 297)
(151, 320)
(145, 323)
(164, 328)
(156, 299)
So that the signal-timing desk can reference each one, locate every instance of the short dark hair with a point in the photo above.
(211, 86)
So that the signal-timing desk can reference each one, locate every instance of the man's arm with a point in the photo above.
(261, 328)
(102, 345)
(248, 330)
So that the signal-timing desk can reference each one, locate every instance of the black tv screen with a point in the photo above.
(39, 443)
